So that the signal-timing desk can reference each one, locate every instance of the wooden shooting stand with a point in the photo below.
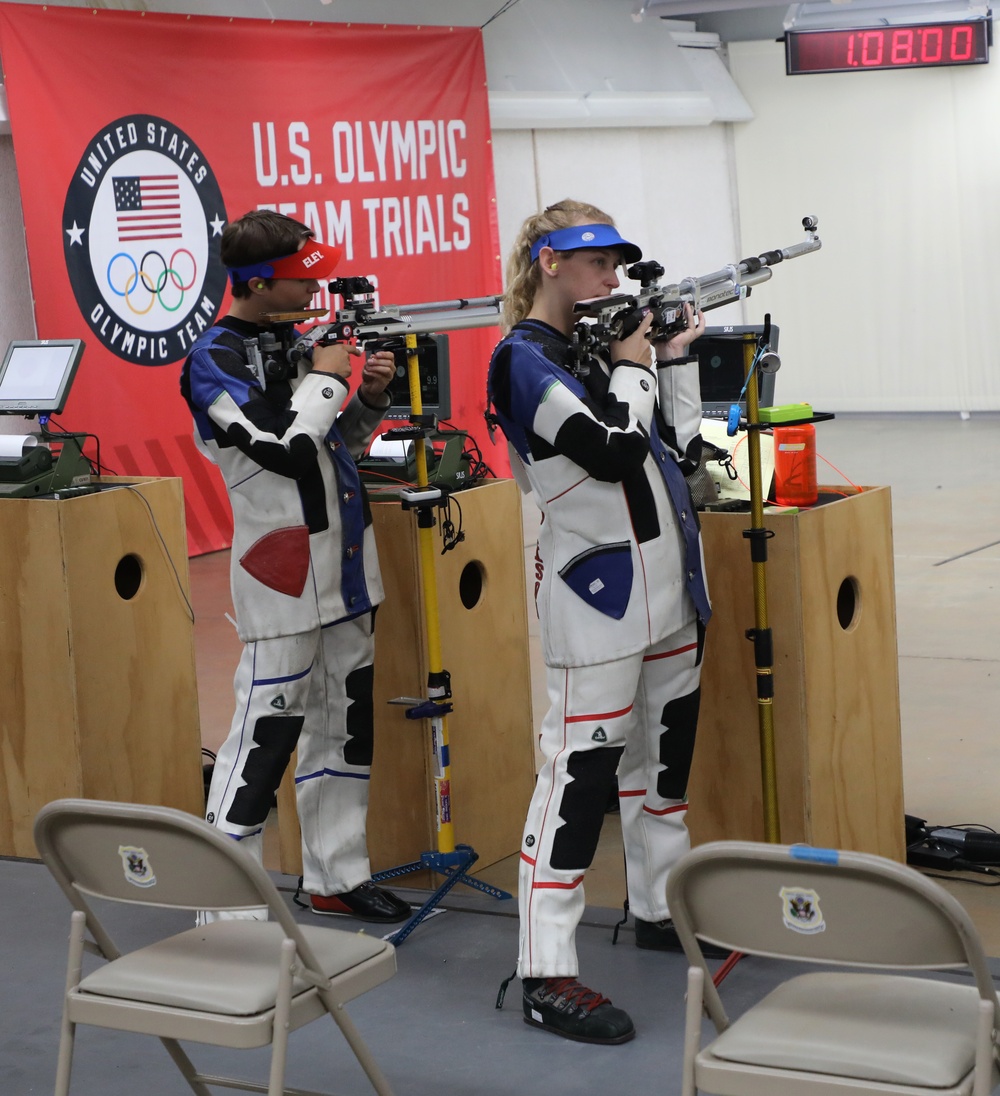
(836, 684)
(97, 645)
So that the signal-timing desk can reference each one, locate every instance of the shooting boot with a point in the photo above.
(365, 903)
(564, 1007)
(662, 936)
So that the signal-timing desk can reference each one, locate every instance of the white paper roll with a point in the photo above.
(14, 446)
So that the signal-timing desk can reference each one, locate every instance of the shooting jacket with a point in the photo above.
(303, 553)
(619, 564)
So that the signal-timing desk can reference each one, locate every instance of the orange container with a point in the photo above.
(795, 465)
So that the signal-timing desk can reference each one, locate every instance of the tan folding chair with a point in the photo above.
(232, 983)
(833, 1033)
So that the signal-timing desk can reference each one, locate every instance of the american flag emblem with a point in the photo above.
(148, 207)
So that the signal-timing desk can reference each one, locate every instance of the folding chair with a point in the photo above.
(833, 1033)
(232, 983)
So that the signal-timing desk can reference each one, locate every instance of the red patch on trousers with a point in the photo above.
(280, 560)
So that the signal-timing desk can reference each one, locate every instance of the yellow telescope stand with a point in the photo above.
(755, 352)
(760, 634)
(450, 860)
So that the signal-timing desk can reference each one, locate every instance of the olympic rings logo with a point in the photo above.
(161, 284)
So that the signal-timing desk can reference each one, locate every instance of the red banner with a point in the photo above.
(138, 136)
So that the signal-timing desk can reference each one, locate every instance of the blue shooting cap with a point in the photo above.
(577, 236)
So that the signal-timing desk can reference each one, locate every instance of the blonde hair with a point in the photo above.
(522, 275)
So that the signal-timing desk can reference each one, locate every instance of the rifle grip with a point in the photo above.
(629, 321)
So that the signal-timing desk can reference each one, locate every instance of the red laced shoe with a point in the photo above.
(564, 1007)
(366, 903)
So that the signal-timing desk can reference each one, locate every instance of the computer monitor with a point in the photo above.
(722, 369)
(35, 376)
(435, 386)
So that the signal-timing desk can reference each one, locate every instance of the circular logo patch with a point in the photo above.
(587, 236)
(142, 225)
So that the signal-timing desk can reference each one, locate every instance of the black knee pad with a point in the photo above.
(680, 720)
(360, 686)
(275, 737)
(591, 775)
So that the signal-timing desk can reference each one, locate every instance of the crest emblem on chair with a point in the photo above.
(800, 910)
(137, 867)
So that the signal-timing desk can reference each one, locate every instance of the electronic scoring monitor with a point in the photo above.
(435, 386)
(36, 376)
(722, 368)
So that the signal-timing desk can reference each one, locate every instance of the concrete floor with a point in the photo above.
(946, 528)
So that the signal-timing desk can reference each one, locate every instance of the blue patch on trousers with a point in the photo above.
(602, 576)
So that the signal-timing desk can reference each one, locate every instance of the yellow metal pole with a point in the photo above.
(416, 403)
(437, 690)
(763, 649)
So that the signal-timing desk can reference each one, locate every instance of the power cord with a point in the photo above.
(133, 488)
(450, 536)
(966, 847)
(55, 429)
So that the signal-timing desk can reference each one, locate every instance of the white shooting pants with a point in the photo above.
(313, 692)
(638, 716)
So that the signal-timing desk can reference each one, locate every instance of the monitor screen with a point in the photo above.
(35, 377)
(722, 368)
(435, 388)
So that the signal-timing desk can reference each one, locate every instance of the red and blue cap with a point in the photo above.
(577, 236)
(312, 261)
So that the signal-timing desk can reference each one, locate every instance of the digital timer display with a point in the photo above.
(915, 45)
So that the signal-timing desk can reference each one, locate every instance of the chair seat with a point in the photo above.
(207, 969)
(873, 1027)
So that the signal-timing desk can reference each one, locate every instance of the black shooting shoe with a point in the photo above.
(365, 903)
(662, 936)
(564, 1007)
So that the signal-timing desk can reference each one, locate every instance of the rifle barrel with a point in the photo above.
(803, 248)
(379, 326)
(461, 304)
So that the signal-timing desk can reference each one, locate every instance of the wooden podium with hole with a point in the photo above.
(831, 608)
(484, 646)
(97, 654)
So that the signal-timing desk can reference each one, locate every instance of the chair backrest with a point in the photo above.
(129, 852)
(822, 906)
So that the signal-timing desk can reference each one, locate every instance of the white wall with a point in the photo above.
(899, 309)
(669, 190)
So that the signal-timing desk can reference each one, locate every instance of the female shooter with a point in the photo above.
(621, 597)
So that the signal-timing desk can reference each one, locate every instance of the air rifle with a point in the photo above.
(359, 318)
(619, 315)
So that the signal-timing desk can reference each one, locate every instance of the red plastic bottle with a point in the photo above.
(795, 465)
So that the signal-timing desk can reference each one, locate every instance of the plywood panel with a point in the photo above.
(836, 694)
(38, 718)
(851, 674)
(103, 686)
(135, 651)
